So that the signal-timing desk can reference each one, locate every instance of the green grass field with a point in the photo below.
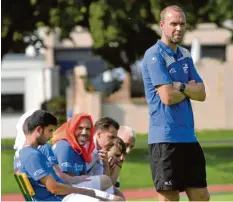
(219, 158)
(213, 197)
(206, 135)
(136, 171)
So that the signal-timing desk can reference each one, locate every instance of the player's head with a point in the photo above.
(81, 126)
(118, 149)
(128, 135)
(40, 125)
(105, 131)
(172, 24)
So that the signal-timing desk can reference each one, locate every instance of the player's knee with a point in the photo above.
(204, 196)
(105, 182)
(168, 196)
(199, 194)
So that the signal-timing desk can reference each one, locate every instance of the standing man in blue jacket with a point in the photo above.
(171, 82)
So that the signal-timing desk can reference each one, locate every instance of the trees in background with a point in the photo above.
(22, 18)
(121, 29)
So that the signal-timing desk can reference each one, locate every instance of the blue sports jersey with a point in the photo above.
(46, 149)
(32, 162)
(161, 66)
(68, 159)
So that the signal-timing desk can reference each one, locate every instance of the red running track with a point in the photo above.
(134, 193)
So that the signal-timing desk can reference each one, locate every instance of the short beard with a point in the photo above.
(40, 140)
(174, 42)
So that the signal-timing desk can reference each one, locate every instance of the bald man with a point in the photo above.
(128, 135)
(171, 82)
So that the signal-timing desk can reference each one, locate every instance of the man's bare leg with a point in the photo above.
(198, 194)
(168, 196)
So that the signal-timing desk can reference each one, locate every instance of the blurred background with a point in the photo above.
(70, 56)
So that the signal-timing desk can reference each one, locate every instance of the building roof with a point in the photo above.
(21, 61)
(208, 34)
(21, 56)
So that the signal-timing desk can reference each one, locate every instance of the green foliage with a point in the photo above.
(120, 29)
(56, 106)
(217, 11)
(21, 18)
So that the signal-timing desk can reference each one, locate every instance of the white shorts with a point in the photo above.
(79, 197)
(94, 183)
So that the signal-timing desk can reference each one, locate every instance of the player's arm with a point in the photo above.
(65, 156)
(70, 174)
(115, 171)
(48, 152)
(65, 177)
(38, 169)
(103, 155)
(162, 81)
(195, 91)
(62, 189)
(169, 95)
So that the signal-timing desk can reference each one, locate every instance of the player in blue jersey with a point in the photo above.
(45, 149)
(171, 82)
(100, 182)
(73, 145)
(47, 185)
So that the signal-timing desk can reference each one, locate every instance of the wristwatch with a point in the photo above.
(182, 87)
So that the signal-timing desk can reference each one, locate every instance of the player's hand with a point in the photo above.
(118, 198)
(103, 155)
(176, 85)
(192, 82)
(112, 161)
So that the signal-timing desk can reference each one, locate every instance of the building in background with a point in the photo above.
(213, 60)
(26, 83)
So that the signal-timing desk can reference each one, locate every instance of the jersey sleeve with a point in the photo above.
(37, 166)
(157, 70)
(48, 152)
(193, 74)
(65, 156)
